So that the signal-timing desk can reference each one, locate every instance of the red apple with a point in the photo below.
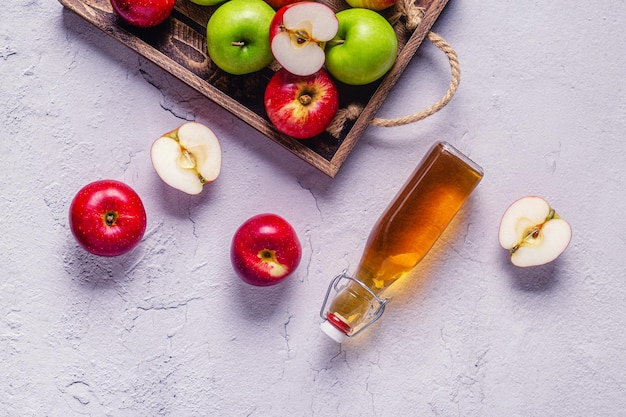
(265, 250)
(301, 106)
(298, 35)
(143, 13)
(107, 218)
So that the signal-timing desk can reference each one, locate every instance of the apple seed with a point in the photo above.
(533, 233)
(301, 37)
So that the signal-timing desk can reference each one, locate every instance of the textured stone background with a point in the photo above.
(168, 330)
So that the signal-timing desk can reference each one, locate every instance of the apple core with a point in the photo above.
(186, 160)
(109, 218)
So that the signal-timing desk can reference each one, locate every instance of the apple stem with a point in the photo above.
(305, 99)
(110, 217)
(336, 42)
(238, 43)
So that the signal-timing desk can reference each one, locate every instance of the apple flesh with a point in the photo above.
(188, 157)
(533, 233)
(107, 218)
(365, 48)
(143, 13)
(238, 36)
(301, 106)
(298, 35)
(265, 250)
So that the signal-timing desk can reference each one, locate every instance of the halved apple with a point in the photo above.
(298, 35)
(188, 157)
(532, 232)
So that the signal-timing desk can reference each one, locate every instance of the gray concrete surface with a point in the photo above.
(168, 330)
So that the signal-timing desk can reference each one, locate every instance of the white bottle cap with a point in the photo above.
(333, 332)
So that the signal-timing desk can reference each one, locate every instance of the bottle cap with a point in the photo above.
(333, 332)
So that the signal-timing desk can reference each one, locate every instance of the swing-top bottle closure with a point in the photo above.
(335, 326)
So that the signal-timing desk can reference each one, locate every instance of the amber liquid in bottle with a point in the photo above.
(405, 232)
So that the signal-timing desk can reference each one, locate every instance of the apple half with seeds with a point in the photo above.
(298, 36)
(188, 157)
(532, 232)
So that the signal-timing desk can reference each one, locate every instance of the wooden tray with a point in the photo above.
(179, 47)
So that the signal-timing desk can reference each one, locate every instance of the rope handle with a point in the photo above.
(413, 15)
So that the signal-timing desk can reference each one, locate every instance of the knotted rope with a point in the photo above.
(413, 16)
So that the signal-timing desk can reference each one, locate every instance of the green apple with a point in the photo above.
(364, 49)
(377, 5)
(238, 36)
(207, 2)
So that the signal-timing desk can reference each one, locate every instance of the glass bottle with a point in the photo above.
(401, 237)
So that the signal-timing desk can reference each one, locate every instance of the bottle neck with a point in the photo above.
(350, 306)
